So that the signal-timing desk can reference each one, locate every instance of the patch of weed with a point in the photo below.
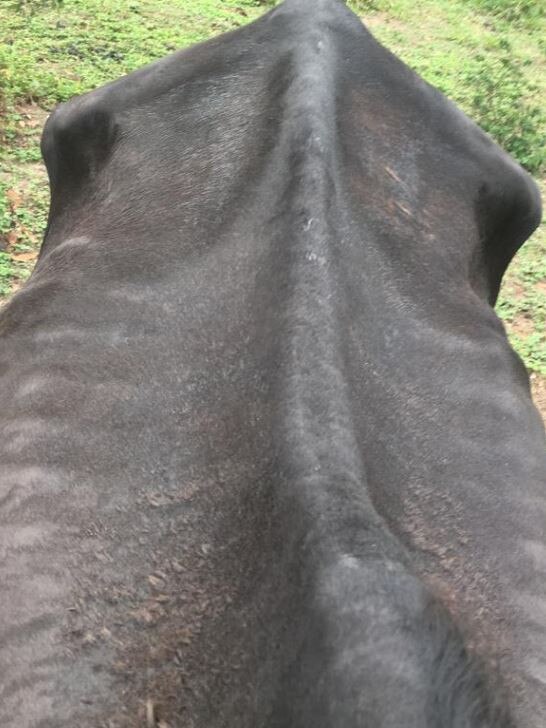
(512, 10)
(500, 99)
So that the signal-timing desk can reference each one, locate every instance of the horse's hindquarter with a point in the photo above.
(254, 388)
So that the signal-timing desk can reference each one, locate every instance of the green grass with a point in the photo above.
(487, 55)
(52, 51)
(494, 69)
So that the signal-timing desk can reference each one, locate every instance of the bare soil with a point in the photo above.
(538, 386)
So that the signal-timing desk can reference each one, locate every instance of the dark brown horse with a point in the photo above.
(268, 459)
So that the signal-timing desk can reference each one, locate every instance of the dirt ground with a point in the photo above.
(538, 386)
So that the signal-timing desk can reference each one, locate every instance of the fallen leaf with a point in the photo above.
(25, 257)
(11, 238)
(14, 198)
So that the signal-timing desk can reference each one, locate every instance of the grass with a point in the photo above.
(487, 55)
